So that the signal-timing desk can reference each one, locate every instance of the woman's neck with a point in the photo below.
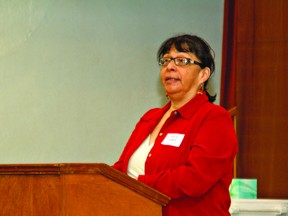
(176, 103)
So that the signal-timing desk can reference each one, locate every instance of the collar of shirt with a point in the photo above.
(192, 106)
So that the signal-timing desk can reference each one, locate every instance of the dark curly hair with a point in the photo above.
(195, 45)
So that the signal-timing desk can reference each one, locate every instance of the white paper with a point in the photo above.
(173, 139)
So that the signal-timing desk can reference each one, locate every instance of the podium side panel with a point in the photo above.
(95, 194)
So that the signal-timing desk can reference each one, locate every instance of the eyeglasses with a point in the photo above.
(179, 61)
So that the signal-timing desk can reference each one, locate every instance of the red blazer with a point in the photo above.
(197, 174)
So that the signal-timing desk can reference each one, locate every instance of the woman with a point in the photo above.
(186, 148)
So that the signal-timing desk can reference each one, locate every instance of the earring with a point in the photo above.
(200, 90)
(167, 96)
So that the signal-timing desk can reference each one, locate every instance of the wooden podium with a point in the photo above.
(74, 190)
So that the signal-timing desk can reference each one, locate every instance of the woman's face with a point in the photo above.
(182, 82)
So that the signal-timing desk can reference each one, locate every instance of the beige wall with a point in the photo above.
(75, 76)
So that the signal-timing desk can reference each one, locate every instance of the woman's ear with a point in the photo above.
(205, 74)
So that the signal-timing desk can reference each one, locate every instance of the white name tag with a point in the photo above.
(173, 139)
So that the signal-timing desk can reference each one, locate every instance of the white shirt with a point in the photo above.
(136, 165)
